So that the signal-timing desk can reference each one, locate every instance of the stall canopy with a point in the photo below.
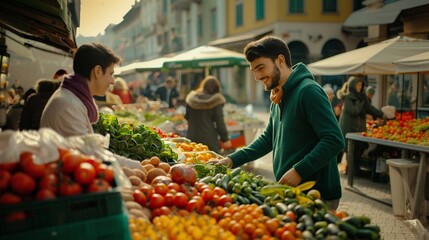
(52, 22)
(413, 64)
(373, 59)
(206, 57)
(150, 65)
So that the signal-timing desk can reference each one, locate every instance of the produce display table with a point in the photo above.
(405, 147)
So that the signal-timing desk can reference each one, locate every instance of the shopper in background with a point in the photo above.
(204, 112)
(302, 132)
(60, 74)
(120, 88)
(71, 110)
(33, 107)
(335, 107)
(353, 116)
(168, 93)
(370, 91)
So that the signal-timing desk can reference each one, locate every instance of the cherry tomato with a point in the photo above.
(71, 159)
(99, 185)
(49, 182)
(26, 161)
(139, 197)
(181, 200)
(69, 187)
(156, 201)
(45, 194)
(5, 177)
(22, 183)
(9, 198)
(105, 172)
(84, 173)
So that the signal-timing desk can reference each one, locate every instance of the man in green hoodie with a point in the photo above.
(302, 131)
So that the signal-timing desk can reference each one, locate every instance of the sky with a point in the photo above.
(96, 15)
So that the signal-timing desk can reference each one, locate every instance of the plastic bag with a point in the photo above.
(420, 232)
(389, 111)
(43, 143)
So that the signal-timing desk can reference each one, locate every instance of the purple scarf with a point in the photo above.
(79, 86)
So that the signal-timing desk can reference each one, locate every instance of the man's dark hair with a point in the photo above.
(90, 55)
(268, 46)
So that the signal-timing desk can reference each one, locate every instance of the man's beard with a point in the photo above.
(275, 79)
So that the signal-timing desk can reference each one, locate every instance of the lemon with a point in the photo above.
(315, 194)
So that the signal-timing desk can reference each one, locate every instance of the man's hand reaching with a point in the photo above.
(224, 161)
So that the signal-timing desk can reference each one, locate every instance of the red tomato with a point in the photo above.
(8, 166)
(9, 198)
(49, 182)
(161, 188)
(174, 186)
(156, 201)
(165, 210)
(84, 173)
(189, 190)
(99, 185)
(156, 212)
(51, 168)
(45, 194)
(5, 177)
(169, 199)
(147, 190)
(22, 183)
(139, 197)
(181, 200)
(15, 216)
(92, 160)
(26, 160)
(105, 172)
(225, 199)
(71, 159)
(70, 188)
(207, 194)
(219, 191)
(194, 205)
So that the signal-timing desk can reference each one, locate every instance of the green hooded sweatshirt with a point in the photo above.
(303, 133)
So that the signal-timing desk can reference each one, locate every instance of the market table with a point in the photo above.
(421, 174)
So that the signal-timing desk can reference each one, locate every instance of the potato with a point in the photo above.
(128, 172)
(135, 181)
(133, 205)
(127, 196)
(139, 173)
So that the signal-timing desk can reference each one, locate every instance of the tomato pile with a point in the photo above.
(413, 131)
(72, 174)
(163, 134)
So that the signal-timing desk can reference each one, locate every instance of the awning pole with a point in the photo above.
(417, 94)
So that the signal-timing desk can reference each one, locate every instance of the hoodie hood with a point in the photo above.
(202, 101)
(352, 88)
(299, 72)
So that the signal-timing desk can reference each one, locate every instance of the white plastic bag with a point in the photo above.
(389, 111)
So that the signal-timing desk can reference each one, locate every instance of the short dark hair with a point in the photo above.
(90, 55)
(268, 46)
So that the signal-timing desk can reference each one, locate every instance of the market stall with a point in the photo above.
(157, 196)
(408, 136)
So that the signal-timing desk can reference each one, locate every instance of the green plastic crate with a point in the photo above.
(107, 228)
(63, 210)
(40, 214)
